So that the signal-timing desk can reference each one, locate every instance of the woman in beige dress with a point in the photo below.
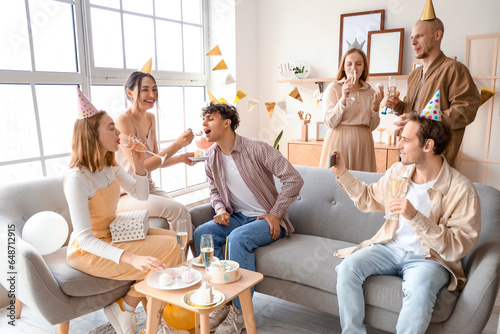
(351, 122)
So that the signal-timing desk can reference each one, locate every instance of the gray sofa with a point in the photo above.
(46, 283)
(301, 268)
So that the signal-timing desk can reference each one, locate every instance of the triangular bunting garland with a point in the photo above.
(486, 94)
(220, 66)
(215, 51)
(282, 105)
(222, 100)
(295, 94)
(239, 95)
(212, 98)
(270, 108)
(229, 80)
(252, 103)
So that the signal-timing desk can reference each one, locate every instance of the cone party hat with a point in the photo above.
(148, 66)
(428, 12)
(433, 108)
(85, 108)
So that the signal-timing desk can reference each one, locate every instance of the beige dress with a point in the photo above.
(350, 127)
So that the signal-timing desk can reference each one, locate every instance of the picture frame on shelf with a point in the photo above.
(385, 51)
(321, 130)
(354, 27)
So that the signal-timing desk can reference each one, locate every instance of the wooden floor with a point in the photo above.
(273, 316)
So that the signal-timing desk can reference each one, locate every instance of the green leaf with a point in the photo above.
(277, 141)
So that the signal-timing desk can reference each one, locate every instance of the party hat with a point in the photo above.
(428, 12)
(433, 108)
(147, 67)
(85, 108)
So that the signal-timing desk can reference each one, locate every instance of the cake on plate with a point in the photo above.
(223, 272)
(199, 154)
(204, 295)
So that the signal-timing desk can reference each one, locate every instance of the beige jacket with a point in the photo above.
(459, 97)
(447, 235)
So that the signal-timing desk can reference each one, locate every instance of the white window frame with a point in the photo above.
(87, 74)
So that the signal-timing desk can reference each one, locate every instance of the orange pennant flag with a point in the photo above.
(270, 108)
(215, 51)
(239, 95)
(212, 98)
(220, 66)
(295, 94)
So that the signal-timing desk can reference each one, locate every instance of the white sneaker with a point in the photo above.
(122, 321)
(233, 324)
(218, 316)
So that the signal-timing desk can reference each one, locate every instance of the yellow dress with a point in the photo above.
(158, 243)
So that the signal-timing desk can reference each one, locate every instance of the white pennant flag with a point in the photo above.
(229, 80)
(282, 105)
(252, 103)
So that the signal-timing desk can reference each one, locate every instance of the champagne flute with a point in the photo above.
(392, 86)
(351, 98)
(182, 235)
(207, 251)
(397, 181)
(133, 143)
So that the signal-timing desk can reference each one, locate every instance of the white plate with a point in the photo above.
(197, 158)
(154, 279)
(219, 298)
(195, 263)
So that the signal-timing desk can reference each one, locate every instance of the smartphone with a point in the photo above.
(333, 160)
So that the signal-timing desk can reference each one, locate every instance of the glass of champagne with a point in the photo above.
(353, 79)
(131, 142)
(397, 181)
(392, 86)
(182, 235)
(207, 251)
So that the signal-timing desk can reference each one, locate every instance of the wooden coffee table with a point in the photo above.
(157, 299)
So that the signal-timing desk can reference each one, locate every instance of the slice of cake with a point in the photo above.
(199, 154)
(204, 295)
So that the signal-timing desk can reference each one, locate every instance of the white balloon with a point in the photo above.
(46, 231)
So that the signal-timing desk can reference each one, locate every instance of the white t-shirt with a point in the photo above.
(241, 198)
(405, 236)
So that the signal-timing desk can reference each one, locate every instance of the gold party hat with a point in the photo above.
(147, 67)
(428, 13)
(85, 108)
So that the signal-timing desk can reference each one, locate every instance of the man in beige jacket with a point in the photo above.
(459, 95)
(437, 223)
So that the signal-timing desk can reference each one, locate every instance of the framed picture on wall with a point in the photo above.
(321, 129)
(354, 28)
(385, 51)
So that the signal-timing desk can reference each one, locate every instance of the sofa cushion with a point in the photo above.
(309, 260)
(76, 283)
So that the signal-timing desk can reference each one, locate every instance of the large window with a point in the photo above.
(51, 46)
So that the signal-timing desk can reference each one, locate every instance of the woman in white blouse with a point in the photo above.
(92, 189)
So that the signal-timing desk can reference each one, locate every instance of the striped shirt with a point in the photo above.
(257, 163)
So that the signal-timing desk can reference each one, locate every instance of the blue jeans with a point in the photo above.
(422, 280)
(245, 234)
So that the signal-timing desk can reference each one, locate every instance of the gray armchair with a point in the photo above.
(46, 283)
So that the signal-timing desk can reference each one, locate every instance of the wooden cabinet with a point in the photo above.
(305, 153)
(308, 153)
(386, 156)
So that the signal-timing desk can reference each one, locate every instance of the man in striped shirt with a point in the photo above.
(249, 209)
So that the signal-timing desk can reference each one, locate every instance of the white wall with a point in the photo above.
(267, 31)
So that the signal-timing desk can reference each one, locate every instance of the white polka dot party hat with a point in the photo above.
(85, 108)
(433, 108)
